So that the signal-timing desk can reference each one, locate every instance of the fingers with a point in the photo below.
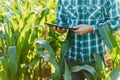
(59, 29)
(81, 30)
(77, 30)
(53, 27)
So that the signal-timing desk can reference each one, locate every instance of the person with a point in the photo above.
(87, 16)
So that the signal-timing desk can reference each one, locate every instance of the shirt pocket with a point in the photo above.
(71, 11)
(96, 13)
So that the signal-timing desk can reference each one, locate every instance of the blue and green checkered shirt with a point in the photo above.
(91, 12)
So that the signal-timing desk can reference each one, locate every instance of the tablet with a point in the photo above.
(52, 25)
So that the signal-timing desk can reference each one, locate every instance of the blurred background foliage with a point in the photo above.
(28, 47)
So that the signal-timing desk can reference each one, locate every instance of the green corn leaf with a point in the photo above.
(115, 74)
(13, 64)
(107, 36)
(8, 33)
(28, 17)
(67, 44)
(45, 11)
(20, 9)
(67, 73)
(34, 2)
(11, 33)
(99, 65)
(65, 47)
(5, 65)
(24, 49)
(87, 68)
(2, 58)
(3, 76)
(23, 39)
(37, 26)
(115, 53)
(50, 58)
(46, 46)
(1, 35)
(88, 75)
(32, 63)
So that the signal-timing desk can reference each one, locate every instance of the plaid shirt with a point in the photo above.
(91, 12)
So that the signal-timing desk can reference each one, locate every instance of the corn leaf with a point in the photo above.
(46, 46)
(32, 63)
(67, 44)
(45, 11)
(50, 58)
(13, 64)
(65, 47)
(1, 35)
(8, 32)
(3, 76)
(86, 68)
(20, 9)
(10, 64)
(99, 65)
(115, 74)
(67, 73)
(107, 36)
(88, 75)
(5, 65)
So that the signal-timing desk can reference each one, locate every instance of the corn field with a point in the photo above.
(31, 51)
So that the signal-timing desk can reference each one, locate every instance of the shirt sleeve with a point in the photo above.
(113, 14)
(61, 17)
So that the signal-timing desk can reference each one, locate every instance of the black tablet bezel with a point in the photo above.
(52, 25)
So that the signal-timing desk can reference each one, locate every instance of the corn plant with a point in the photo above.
(10, 64)
(21, 21)
(62, 70)
(21, 26)
(113, 44)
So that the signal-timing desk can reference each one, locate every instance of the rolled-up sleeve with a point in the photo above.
(61, 17)
(113, 14)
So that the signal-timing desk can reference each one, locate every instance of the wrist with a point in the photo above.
(91, 29)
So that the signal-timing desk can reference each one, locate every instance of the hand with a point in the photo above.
(83, 29)
(58, 29)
